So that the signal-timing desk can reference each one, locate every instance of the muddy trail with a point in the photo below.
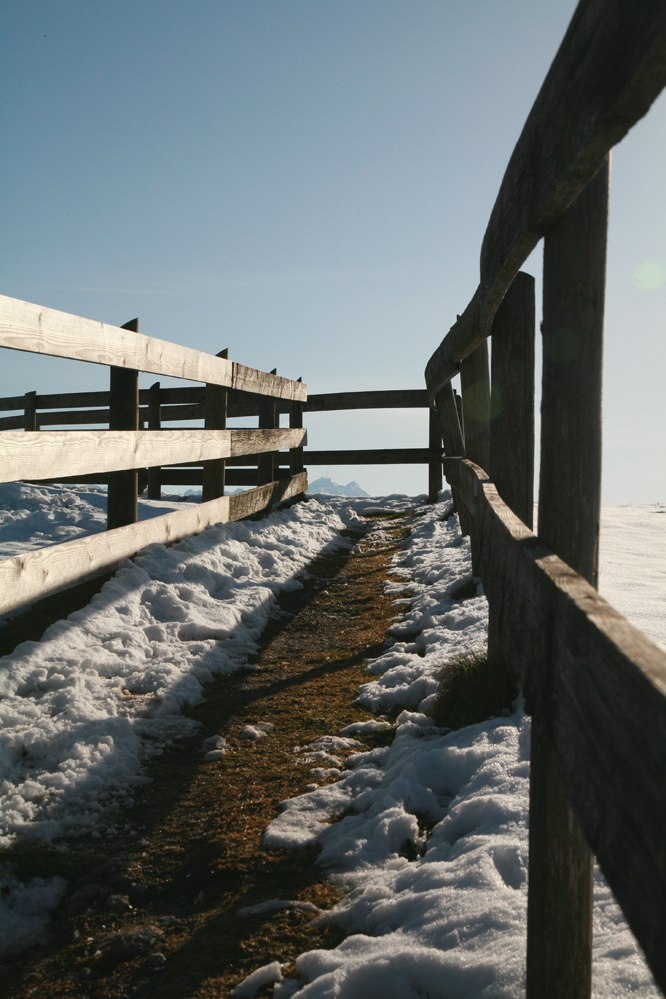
(155, 911)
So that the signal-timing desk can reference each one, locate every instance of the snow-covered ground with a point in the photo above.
(432, 849)
(632, 561)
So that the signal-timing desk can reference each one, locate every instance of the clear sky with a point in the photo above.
(308, 183)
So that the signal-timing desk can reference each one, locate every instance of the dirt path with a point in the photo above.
(155, 912)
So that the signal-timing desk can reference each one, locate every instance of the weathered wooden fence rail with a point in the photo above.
(120, 451)
(596, 687)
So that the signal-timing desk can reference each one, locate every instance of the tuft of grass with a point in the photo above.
(473, 689)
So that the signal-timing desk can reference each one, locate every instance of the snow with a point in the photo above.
(263, 976)
(33, 517)
(632, 573)
(259, 731)
(430, 846)
(214, 748)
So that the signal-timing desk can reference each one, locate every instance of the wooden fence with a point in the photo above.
(119, 451)
(159, 406)
(596, 687)
(129, 450)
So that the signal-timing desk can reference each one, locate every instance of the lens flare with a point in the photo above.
(650, 275)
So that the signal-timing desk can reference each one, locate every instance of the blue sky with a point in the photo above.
(308, 183)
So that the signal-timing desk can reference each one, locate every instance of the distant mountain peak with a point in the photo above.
(330, 488)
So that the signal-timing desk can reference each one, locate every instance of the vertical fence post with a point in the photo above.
(296, 423)
(215, 418)
(512, 398)
(30, 420)
(475, 384)
(434, 444)
(458, 401)
(268, 419)
(122, 493)
(512, 416)
(154, 423)
(448, 417)
(559, 921)
(449, 423)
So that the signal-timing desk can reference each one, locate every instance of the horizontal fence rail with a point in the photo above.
(39, 330)
(78, 453)
(596, 688)
(376, 456)
(37, 574)
(188, 404)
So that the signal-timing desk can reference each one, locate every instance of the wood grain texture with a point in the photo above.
(559, 918)
(609, 69)
(37, 329)
(43, 455)
(28, 577)
(246, 442)
(262, 497)
(475, 386)
(608, 702)
(574, 279)
(512, 398)
(560, 888)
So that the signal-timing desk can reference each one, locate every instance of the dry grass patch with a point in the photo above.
(473, 689)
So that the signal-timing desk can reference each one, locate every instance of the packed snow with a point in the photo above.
(431, 851)
(632, 574)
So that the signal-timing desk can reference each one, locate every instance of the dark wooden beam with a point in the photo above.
(512, 398)
(123, 487)
(559, 917)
